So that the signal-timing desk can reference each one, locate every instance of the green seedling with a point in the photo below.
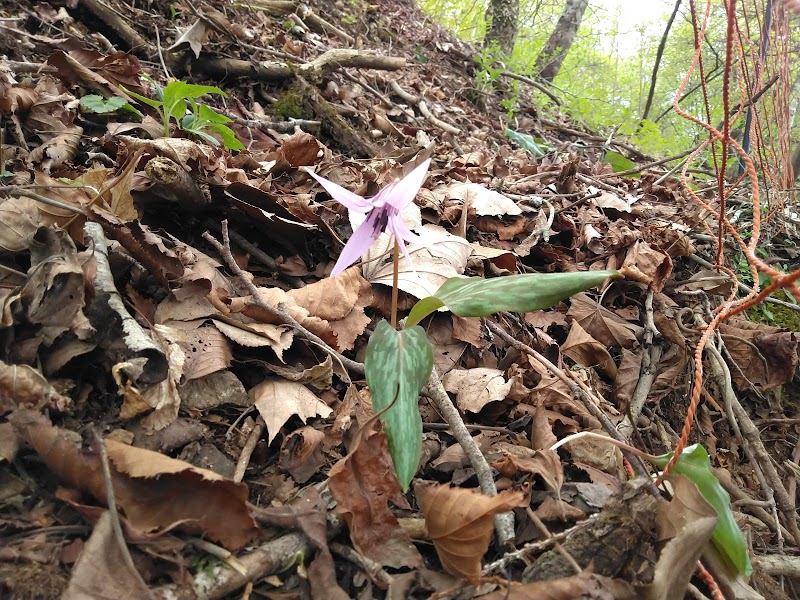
(173, 102)
(103, 106)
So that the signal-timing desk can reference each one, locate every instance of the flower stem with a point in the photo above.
(395, 273)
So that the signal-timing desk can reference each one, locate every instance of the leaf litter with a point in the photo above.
(116, 313)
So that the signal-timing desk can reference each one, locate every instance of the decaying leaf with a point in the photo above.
(475, 388)
(277, 400)
(153, 491)
(461, 521)
(362, 483)
(587, 351)
(101, 570)
(585, 586)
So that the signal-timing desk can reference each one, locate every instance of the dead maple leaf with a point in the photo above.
(475, 388)
(152, 490)
(278, 399)
(362, 483)
(461, 521)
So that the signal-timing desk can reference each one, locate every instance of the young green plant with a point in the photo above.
(172, 103)
(397, 364)
(695, 464)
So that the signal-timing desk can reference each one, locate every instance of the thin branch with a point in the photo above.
(225, 251)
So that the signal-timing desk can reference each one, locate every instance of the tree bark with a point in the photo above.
(555, 50)
(659, 53)
(503, 17)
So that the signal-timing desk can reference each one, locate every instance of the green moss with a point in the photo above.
(776, 315)
(289, 105)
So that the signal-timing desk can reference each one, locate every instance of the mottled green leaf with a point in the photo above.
(479, 297)
(397, 364)
(727, 537)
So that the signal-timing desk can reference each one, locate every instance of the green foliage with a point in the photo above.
(605, 76)
(101, 106)
(173, 101)
(397, 364)
(727, 537)
(479, 297)
(488, 70)
(617, 161)
(535, 146)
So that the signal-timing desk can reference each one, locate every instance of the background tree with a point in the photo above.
(555, 49)
(502, 17)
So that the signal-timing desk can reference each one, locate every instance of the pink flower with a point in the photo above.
(382, 210)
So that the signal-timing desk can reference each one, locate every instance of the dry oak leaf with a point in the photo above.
(340, 301)
(646, 265)
(362, 483)
(460, 523)
(482, 200)
(602, 324)
(277, 400)
(152, 490)
(475, 388)
(277, 297)
(24, 386)
(514, 458)
(587, 351)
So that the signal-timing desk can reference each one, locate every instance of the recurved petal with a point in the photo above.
(401, 233)
(359, 243)
(341, 195)
(399, 229)
(405, 190)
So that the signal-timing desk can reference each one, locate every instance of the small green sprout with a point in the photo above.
(173, 102)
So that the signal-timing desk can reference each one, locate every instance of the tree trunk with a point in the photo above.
(659, 53)
(555, 50)
(503, 17)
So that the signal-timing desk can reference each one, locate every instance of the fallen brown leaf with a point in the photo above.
(585, 586)
(277, 400)
(362, 483)
(152, 490)
(461, 521)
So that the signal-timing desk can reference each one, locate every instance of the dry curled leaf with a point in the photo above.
(153, 491)
(460, 522)
(362, 483)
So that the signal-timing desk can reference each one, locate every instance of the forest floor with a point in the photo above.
(184, 408)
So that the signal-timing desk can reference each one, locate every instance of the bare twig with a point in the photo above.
(580, 391)
(559, 548)
(651, 356)
(533, 83)
(504, 523)
(111, 501)
(373, 569)
(273, 557)
(225, 251)
(423, 108)
(247, 450)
